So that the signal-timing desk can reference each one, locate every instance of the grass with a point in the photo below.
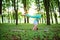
(25, 32)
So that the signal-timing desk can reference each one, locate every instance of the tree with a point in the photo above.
(51, 11)
(1, 9)
(47, 5)
(16, 10)
(55, 15)
(8, 5)
(58, 3)
(0, 6)
(59, 8)
(26, 5)
(53, 6)
(51, 16)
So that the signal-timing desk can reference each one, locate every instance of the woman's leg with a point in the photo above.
(35, 27)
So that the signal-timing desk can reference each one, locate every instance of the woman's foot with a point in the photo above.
(35, 28)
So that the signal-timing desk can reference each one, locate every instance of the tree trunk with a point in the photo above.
(17, 14)
(45, 18)
(51, 17)
(42, 18)
(2, 18)
(59, 6)
(48, 17)
(47, 5)
(24, 19)
(59, 9)
(27, 19)
(1, 10)
(25, 11)
(16, 17)
(0, 6)
(55, 15)
(51, 10)
(16, 11)
(25, 16)
(8, 16)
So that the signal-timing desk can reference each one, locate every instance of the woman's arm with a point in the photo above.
(36, 16)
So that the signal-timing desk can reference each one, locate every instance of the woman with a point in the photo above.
(36, 17)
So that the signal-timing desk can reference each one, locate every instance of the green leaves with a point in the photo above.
(27, 3)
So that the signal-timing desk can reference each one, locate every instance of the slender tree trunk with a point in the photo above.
(17, 14)
(12, 6)
(24, 19)
(59, 6)
(51, 18)
(25, 11)
(51, 10)
(25, 16)
(47, 5)
(27, 19)
(1, 10)
(48, 17)
(2, 18)
(16, 11)
(59, 9)
(16, 17)
(55, 15)
(0, 6)
(42, 18)
(8, 16)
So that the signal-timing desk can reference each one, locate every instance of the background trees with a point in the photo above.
(47, 5)
(50, 10)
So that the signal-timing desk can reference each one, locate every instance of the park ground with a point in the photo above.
(25, 32)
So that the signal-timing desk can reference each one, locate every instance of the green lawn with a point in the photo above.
(25, 32)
